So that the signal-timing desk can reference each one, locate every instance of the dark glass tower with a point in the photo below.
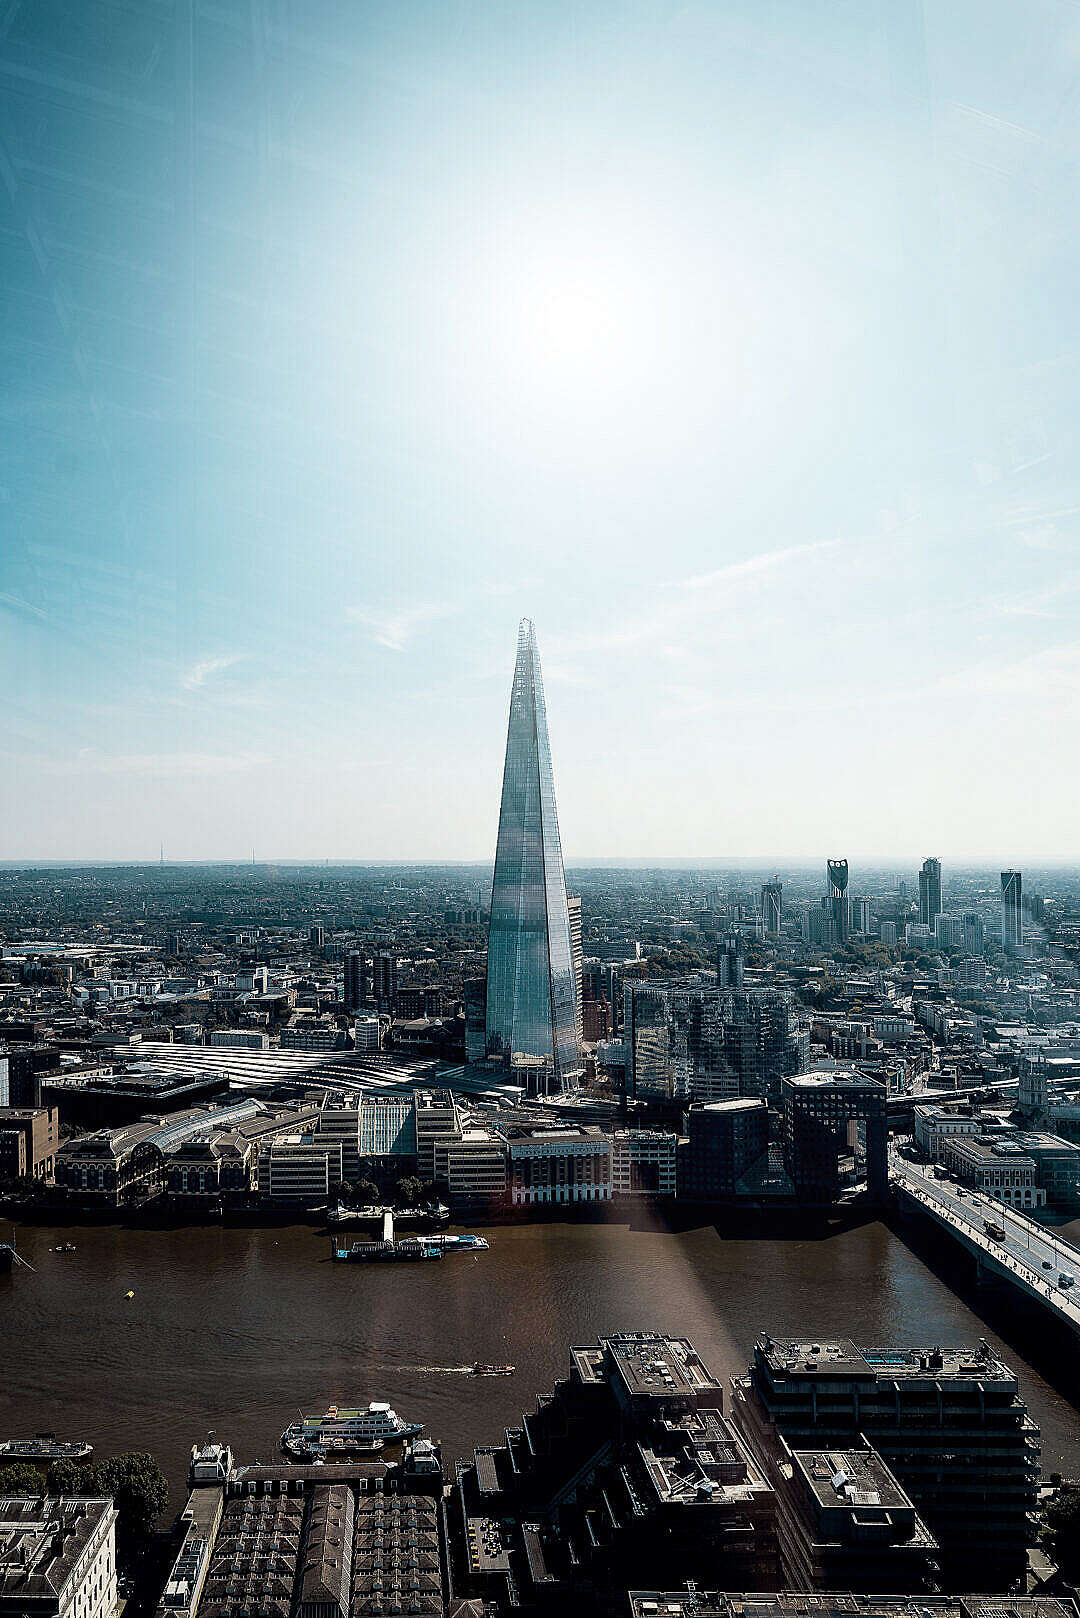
(531, 1001)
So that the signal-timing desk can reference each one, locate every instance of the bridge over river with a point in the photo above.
(1004, 1243)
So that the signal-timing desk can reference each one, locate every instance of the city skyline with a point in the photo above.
(736, 349)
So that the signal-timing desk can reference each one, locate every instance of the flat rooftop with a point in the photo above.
(822, 1604)
(647, 1363)
(842, 1358)
(850, 1477)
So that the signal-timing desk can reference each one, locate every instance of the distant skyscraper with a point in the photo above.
(317, 935)
(355, 980)
(731, 961)
(384, 980)
(531, 999)
(837, 907)
(772, 906)
(1012, 912)
(929, 891)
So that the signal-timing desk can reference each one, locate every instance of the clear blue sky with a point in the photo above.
(734, 343)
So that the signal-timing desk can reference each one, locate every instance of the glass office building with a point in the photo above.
(531, 997)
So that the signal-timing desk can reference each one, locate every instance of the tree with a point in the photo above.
(137, 1484)
(135, 1481)
(1062, 1518)
(409, 1190)
(366, 1193)
(21, 1479)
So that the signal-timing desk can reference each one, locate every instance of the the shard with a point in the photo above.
(531, 993)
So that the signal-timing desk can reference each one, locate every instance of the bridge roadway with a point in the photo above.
(1028, 1255)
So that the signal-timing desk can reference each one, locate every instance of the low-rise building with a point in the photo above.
(58, 1557)
(550, 1166)
(29, 1141)
(998, 1168)
(643, 1163)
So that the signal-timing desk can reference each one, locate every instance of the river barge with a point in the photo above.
(43, 1449)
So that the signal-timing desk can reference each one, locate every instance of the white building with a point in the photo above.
(553, 1166)
(59, 1556)
(243, 1039)
(366, 1034)
(935, 1125)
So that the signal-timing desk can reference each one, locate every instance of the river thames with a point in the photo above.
(235, 1329)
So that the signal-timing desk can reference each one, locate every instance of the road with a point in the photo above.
(1031, 1255)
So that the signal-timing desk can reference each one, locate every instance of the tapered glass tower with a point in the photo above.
(531, 1002)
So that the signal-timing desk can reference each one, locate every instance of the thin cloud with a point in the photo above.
(751, 566)
(197, 676)
(87, 761)
(394, 629)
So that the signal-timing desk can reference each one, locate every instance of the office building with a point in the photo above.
(844, 1522)
(772, 907)
(644, 1163)
(1012, 912)
(859, 914)
(301, 1169)
(240, 1039)
(317, 935)
(929, 891)
(367, 1032)
(384, 980)
(974, 935)
(29, 1142)
(837, 910)
(835, 1134)
(626, 1469)
(996, 1168)
(573, 910)
(690, 1041)
(725, 1140)
(731, 960)
(474, 992)
(531, 994)
(551, 1166)
(355, 980)
(58, 1557)
(949, 1423)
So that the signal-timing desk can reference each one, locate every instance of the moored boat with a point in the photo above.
(347, 1431)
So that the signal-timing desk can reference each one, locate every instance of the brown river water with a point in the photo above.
(235, 1329)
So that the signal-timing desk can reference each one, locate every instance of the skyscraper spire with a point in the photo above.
(531, 1001)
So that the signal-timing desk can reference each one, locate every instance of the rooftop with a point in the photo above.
(842, 1358)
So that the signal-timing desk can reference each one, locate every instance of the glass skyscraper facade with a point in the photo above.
(531, 993)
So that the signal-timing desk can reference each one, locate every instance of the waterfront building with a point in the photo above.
(643, 1163)
(772, 907)
(58, 1557)
(436, 1120)
(472, 1167)
(532, 1000)
(997, 1168)
(835, 1133)
(698, 1602)
(929, 891)
(301, 1168)
(1012, 912)
(936, 1126)
(626, 1469)
(29, 1141)
(949, 1423)
(844, 1522)
(725, 1140)
(558, 1166)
